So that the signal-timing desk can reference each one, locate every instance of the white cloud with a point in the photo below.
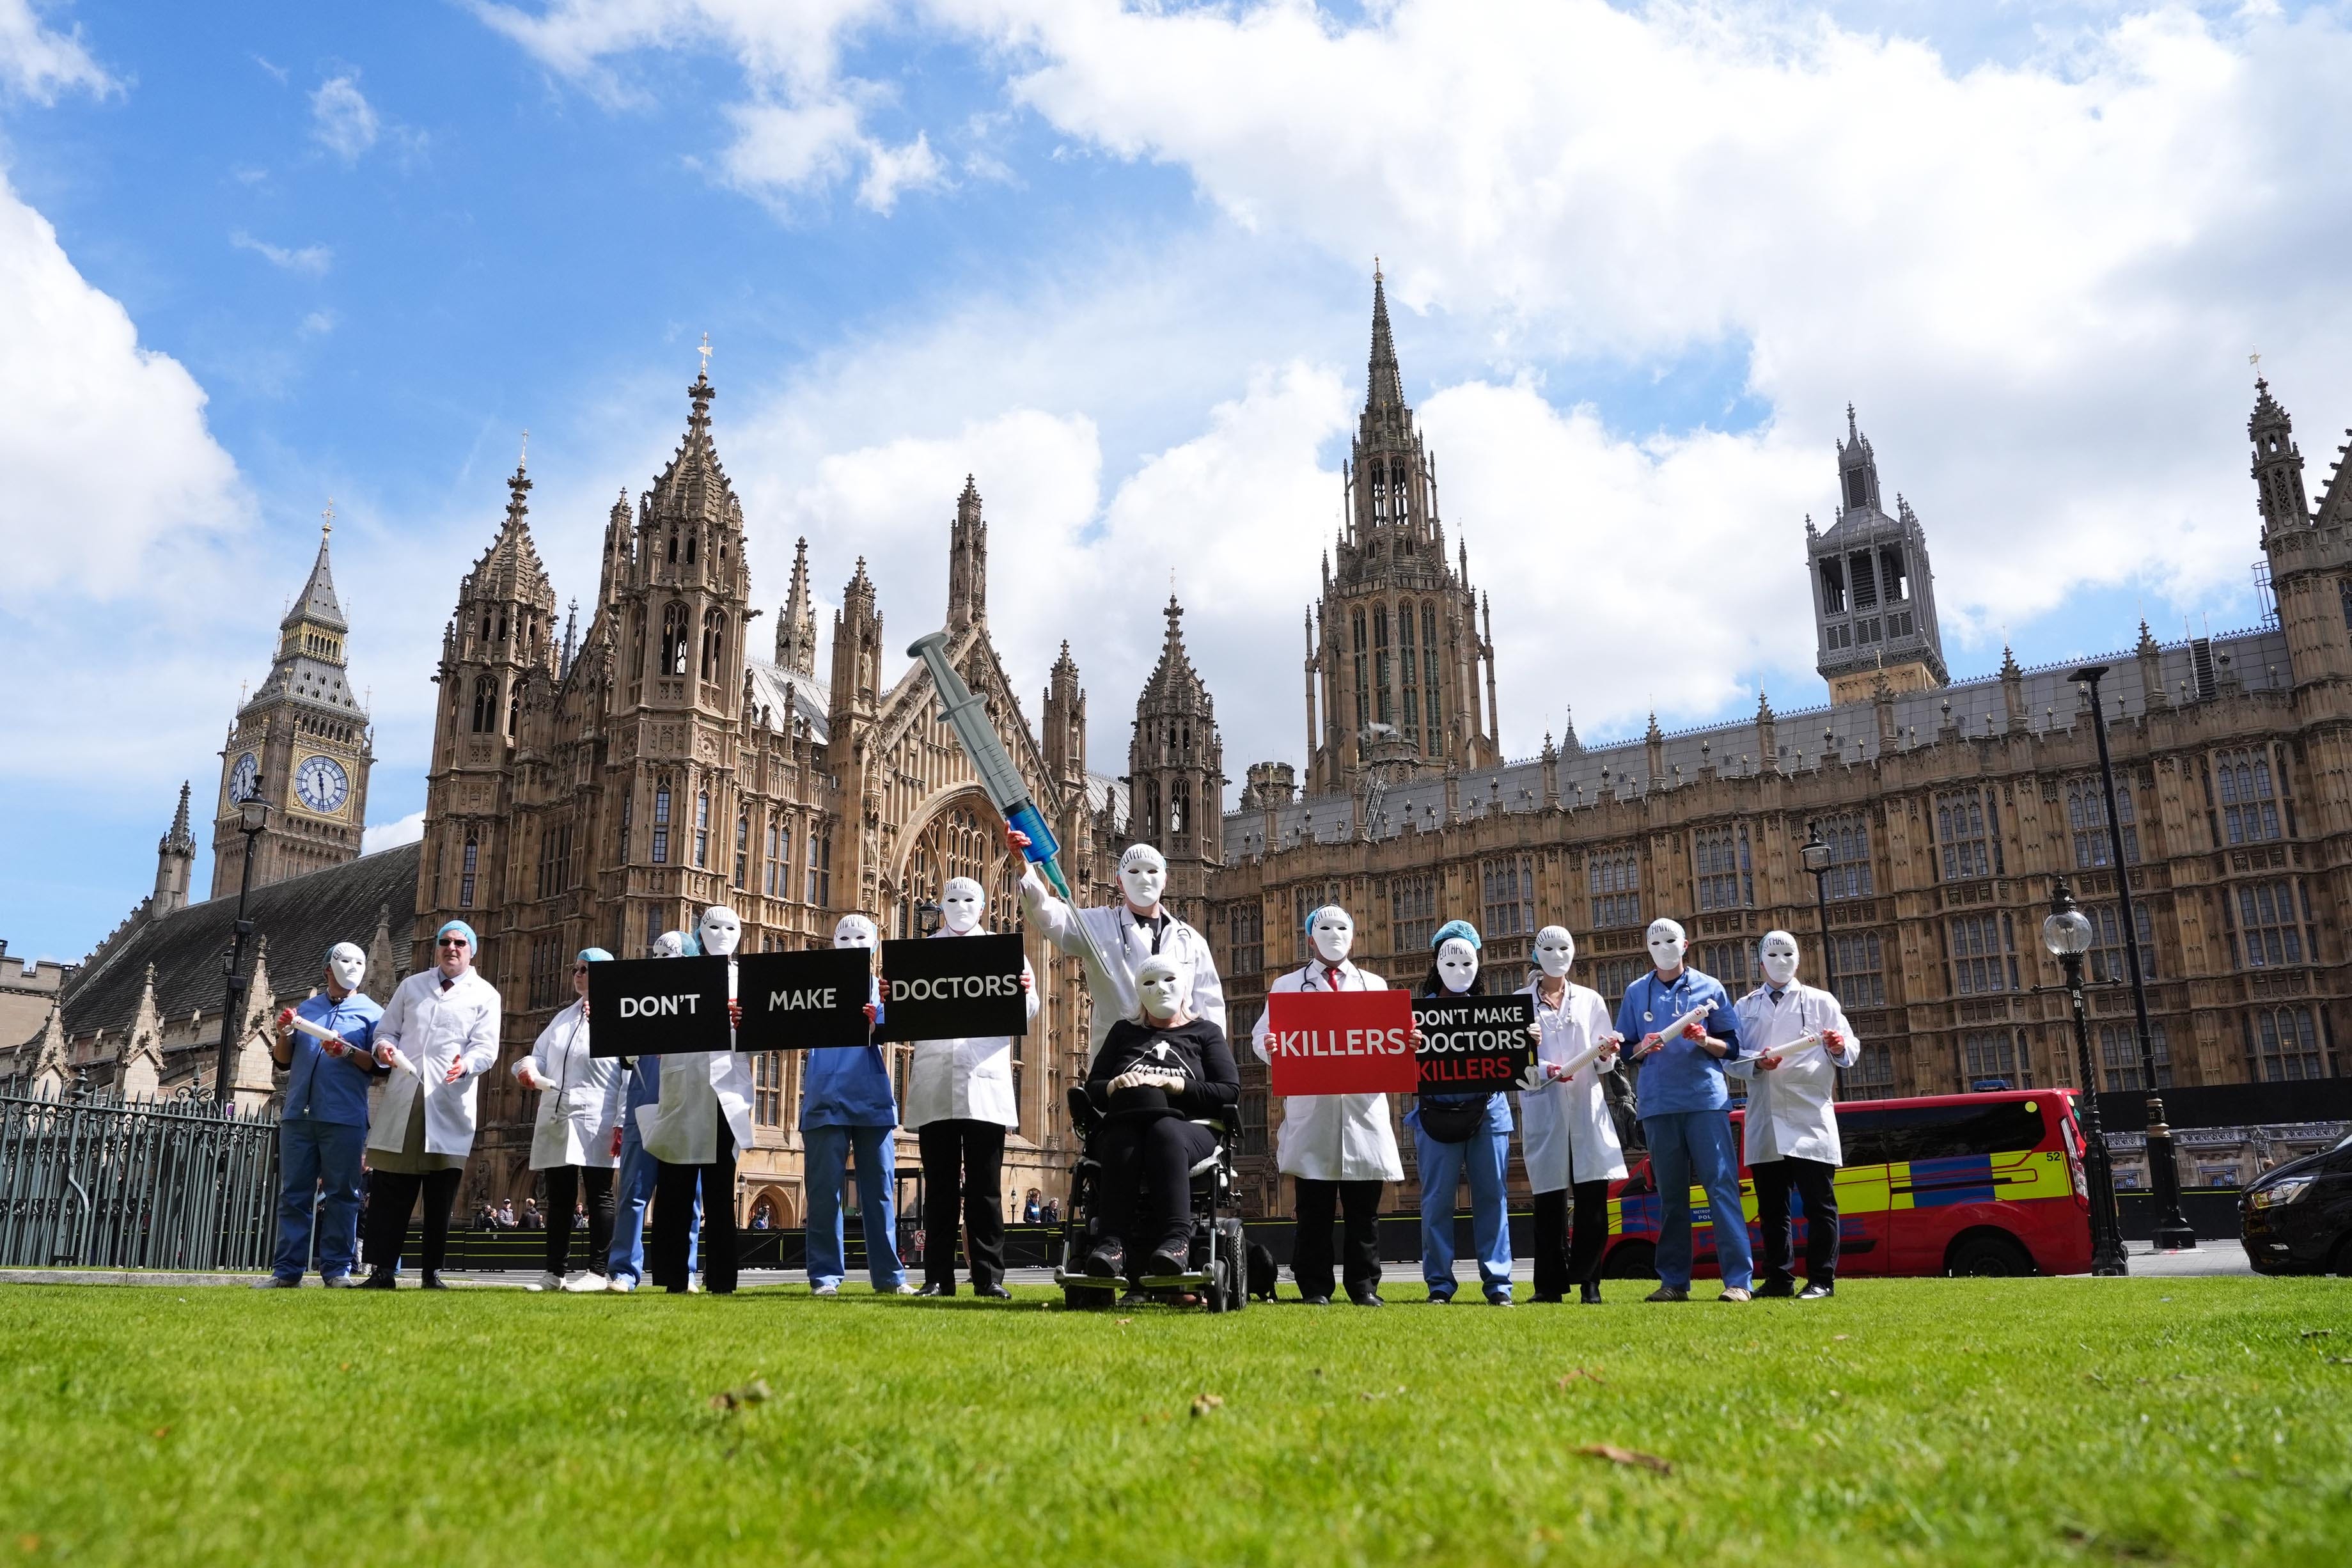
(37, 63)
(312, 260)
(890, 170)
(319, 323)
(343, 121)
(392, 835)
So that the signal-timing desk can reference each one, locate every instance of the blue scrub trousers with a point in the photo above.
(826, 1155)
(1698, 1147)
(1483, 1159)
(314, 1155)
(632, 1190)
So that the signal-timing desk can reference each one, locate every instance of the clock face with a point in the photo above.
(319, 785)
(243, 779)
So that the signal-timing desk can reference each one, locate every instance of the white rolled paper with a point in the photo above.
(316, 1031)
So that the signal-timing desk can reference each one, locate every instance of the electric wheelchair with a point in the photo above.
(1217, 1276)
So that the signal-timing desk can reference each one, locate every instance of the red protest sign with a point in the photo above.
(1340, 1042)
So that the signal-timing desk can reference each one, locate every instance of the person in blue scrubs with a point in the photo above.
(1483, 1153)
(323, 1128)
(847, 1104)
(633, 1186)
(1686, 1111)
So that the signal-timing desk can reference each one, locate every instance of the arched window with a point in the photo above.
(1412, 668)
(690, 549)
(486, 704)
(1179, 797)
(1431, 683)
(702, 829)
(661, 823)
(1362, 651)
(636, 645)
(714, 644)
(514, 712)
(673, 544)
(465, 875)
(674, 636)
(743, 848)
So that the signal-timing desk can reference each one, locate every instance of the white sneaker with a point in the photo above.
(905, 1289)
(550, 1280)
(581, 1280)
(621, 1284)
(694, 1286)
(825, 1290)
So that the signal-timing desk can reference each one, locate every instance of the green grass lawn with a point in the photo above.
(2190, 1421)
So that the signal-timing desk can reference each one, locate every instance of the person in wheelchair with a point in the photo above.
(1156, 1078)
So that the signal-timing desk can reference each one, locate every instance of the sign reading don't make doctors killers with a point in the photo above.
(1340, 1042)
(648, 1007)
(1472, 1043)
(954, 988)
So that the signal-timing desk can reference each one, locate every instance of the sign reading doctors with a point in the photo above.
(1340, 1042)
(1471, 1044)
(954, 988)
(650, 1006)
(801, 1001)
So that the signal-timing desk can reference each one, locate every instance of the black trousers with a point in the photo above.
(1310, 1238)
(1568, 1256)
(562, 1191)
(1816, 1183)
(674, 1192)
(962, 1158)
(390, 1196)
(1151, 1159)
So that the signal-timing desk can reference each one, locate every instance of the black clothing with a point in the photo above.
(1566, 1255)
(674, 1194)
(1197, 1051)
(1147, 1183)
(1310, 1244)
(1816, 1182)
(960, 1152)
(562, 1191)
(390, 1196)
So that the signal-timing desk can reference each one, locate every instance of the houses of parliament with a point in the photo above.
(599, 784)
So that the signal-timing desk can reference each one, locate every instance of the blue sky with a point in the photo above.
(1115, 261)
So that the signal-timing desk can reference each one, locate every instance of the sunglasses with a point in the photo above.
(453, 941)
(579, 969)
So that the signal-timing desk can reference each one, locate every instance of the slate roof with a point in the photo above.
(301, 917)
(786, 693)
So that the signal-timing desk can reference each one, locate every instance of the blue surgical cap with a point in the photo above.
(462, 929)
(1317, 913)
(1450, 929)
(594, 955)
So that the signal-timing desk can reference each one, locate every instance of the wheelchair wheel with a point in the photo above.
(1233, 1260)
(1212, 1294)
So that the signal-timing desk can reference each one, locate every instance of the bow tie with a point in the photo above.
(448, 980)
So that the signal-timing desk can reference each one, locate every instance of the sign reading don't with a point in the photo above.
(803, 1001)
(651, 1007)
(954, 988)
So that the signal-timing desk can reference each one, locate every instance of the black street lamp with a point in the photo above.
(2066, 932)
(2173, 1230)
(252, 814)
(1817, 857)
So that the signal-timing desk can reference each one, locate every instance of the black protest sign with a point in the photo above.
(803, 1001)
(954, 988)
(1472, 1044)
(649, 1006)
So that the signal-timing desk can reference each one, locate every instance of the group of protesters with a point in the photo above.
(611, 1131)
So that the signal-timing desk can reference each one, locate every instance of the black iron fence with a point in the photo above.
(106, 1184)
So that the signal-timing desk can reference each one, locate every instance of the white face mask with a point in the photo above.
(670, 944)
(855, 931)
(1555, 950)
(720, 930)
(1779, 954)
(348, 964)
(1142, 876)
(960, 903)
(1159, 989)
(1667, 945)
(1457, 964)
(1333, 934)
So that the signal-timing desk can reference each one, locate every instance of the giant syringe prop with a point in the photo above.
(967, 715)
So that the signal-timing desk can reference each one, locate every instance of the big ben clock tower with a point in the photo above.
(302, 743)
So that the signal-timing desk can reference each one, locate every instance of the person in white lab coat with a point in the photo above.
(1336, 1148)
(960, 1102)
(1567, 1138)
(1112, 944)
(1791, 1137)
(575, 1140)
(439, 1035)
(702, 1119)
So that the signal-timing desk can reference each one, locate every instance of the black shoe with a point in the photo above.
(1366, 1299)
(987, 1292)
(946, 1291)
(1777, 1288)
(381, 1279)
(1107, 1261)
(1545, 1299)
(1589, 1293)
(1316, 1300)
(1167, 1261)
(433, 1281)
(1816, 1289)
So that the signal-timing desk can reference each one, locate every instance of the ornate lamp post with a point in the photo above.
(2066, 932)
(1816, 856)
(2172, 1227)
(253, 814)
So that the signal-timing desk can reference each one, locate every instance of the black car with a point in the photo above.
(2297, 1219)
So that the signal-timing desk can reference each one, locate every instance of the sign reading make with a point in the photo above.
(1340, 1042)
(649, 1006)
(802, 1001)
(1471, 1042)
(954, 988)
